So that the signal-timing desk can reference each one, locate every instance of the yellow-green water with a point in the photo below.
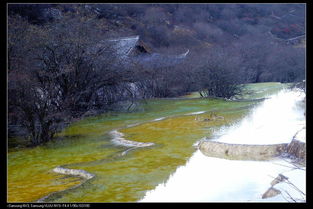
(86, 145)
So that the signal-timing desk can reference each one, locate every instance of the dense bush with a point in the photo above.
(59, 66)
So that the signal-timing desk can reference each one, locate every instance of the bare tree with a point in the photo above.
(59, 74)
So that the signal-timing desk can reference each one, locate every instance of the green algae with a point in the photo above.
(86, 145)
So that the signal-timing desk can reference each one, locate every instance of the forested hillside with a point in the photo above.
(66, 61)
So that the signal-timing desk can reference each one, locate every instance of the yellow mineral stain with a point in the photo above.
(86, 145)
(38, 187)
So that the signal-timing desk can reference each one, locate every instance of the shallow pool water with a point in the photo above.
(174, 125)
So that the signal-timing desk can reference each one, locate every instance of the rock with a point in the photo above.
(241, 151)
(74, 172)
(279, 179)
(297, 148)
(271, 192)
(118, 138)
(67, 171)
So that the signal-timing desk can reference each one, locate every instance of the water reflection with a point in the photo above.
(208, 179)
(275, 121)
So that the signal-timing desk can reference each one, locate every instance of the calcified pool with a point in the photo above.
(208, 179)
(122, 173)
